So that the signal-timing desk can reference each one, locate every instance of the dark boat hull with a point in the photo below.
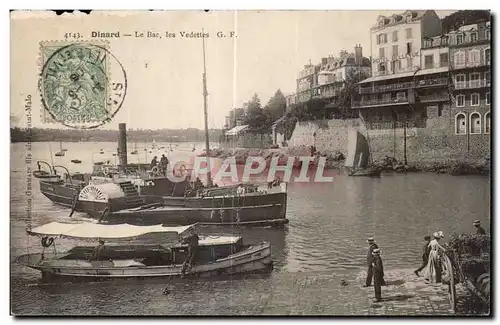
(263, 215)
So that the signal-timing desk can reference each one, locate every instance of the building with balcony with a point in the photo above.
(470, 53)
(396, 41)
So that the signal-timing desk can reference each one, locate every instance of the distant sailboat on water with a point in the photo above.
(61, 151)
(358, 156)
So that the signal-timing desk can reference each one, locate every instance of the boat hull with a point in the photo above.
(254, 259)
(263, 215)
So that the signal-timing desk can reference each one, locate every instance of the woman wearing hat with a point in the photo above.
(433, 271)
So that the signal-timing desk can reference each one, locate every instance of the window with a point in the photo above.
(487, 77)
(473, 37)
(487, 123)
(459, 58)
(393, 66)
(395, 36)
(474, 99)
(401, 95)
(474, 80)
(440, 110)
(460, 101)
(475, 123)
(460, 81)
(408, 48)
(429, 61)
(487, 34)
(460, 39)
(488, 98)
(381, 52)
(409, 63)
(395, 53)
(460, 124)
(487, 56)
(474, 57)
(443, 59)
(408, 33)
(382, 39)
(399, 65)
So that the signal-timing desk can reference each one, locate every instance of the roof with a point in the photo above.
(101, 231)
(422, 72)
(390, 21)
(236, 129)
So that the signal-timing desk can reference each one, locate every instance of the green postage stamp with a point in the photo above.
(82, 84)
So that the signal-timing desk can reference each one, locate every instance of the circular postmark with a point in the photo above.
(82, 85)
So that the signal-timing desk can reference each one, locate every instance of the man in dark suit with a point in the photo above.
(369, 260)
(378, 274)
(425, 255)
(479, 230)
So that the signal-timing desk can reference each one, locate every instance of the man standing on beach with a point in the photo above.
(425, 255)
(369, 260)
(378, 274)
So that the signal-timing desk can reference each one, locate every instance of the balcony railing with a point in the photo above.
(471, 84)
(383, 101)
(471, 64)
(434, 98)
(404, 85)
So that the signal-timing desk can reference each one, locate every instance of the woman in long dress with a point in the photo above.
(433, 269)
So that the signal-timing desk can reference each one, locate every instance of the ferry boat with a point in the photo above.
(216, 255)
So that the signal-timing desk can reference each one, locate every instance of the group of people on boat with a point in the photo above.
(162, 166)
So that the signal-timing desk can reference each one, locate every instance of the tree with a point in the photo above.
(258, 120)
(276, 105)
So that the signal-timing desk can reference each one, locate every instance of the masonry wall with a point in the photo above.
(248, 140)
(437, 142)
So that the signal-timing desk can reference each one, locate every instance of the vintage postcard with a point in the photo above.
(250, 162)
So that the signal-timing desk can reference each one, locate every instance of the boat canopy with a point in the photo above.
(101, 231)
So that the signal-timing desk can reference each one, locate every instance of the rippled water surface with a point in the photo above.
(329, 224)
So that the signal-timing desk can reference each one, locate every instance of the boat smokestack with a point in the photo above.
(122, 145)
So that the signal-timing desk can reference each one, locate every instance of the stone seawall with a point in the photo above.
(436, 143)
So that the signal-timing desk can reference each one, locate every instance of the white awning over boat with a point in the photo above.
(236, 130)
(101, 231)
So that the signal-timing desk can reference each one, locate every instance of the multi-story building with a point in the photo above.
(409, 71)
(396, 40)
(326, 79)
(470, 53)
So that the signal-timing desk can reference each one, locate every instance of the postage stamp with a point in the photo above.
(82, 85)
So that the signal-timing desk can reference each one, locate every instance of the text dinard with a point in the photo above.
(160, 35)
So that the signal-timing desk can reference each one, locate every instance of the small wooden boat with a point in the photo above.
(76, 161)
(368, 172)
(216, 255)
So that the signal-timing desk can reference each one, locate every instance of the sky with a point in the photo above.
(165, 75)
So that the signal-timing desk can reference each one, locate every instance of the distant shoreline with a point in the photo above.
(139, 136)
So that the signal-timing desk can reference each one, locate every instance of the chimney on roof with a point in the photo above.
(358, 54)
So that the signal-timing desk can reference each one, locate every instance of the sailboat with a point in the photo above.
(135, 149)
(358, 156)
(62, 151)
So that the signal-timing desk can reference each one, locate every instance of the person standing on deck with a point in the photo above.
(369, 259)
(164, 164)
(479, 230)
(154, 162)
(378, 274)
(193, 242)
(425, 255)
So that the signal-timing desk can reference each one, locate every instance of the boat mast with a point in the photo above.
(205, 94)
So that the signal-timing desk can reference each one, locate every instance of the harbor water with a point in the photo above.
(329, 224)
